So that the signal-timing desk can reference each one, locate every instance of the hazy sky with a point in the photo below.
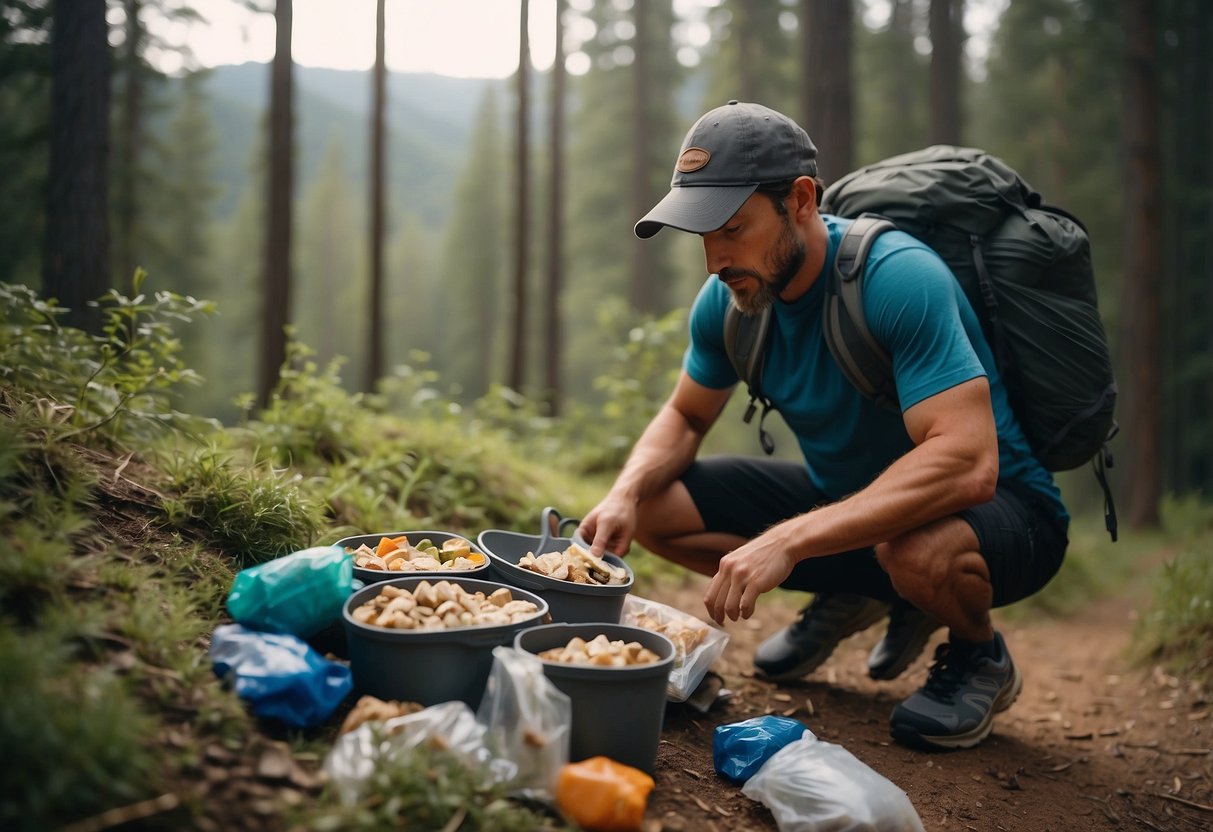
(472, 38)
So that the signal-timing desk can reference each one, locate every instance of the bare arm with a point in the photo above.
(665, 449)
(953, 465)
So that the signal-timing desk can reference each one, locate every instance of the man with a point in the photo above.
(933, 515)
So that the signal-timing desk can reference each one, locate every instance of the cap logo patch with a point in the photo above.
(692, 159)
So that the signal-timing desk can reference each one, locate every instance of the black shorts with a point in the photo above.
(1019, 535)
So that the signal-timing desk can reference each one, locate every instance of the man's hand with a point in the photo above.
(610, 526)
(744, 574)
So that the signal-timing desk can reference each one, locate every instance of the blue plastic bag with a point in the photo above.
(280, 675)
(301, 593)
(740, 749)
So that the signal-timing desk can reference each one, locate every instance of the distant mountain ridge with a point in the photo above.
(429, 122)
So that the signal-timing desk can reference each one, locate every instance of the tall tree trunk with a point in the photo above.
(553, 329)
(1142, 247)
(374, 353)
(639, 285)
(75, 267)
(277, 298)
(947, 28)
(522, 204)
(126, 213)
(826, 88)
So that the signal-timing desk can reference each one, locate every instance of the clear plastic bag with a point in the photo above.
(696, 644)
(300, 593)
(450, 726)
(741, 748)
(527, 720)
(815, 786)
(280, 675)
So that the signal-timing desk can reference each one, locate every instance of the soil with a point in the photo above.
(1090, 744)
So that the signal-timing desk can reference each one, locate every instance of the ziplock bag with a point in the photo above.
(696, 644)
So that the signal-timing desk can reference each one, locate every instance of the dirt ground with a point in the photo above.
(1090, 744)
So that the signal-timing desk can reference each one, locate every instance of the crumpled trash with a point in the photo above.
(300, 593)
(279, 674)
(449, 726)
(815, 786)
(602, 795)
(527, 719)
(740, 748)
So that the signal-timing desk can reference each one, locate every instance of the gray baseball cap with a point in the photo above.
(725, 156)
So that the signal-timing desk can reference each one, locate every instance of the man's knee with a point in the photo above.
(924, 561)
(667, 516)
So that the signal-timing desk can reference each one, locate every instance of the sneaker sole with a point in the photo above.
(912, 651)
(811, 664)
(951, 742)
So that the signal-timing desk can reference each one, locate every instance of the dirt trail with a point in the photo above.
(1091, 744)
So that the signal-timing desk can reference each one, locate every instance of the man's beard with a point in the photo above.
(783, 263)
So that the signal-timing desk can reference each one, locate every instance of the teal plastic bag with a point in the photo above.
(300, 594)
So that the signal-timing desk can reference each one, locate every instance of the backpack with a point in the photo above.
(1026, 269)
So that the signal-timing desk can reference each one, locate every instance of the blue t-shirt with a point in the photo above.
(918, 311)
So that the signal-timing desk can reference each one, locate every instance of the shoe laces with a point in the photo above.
(807, 614)
(950, 668)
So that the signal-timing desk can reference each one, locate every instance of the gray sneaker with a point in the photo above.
(803, 645)
(909, 630)
(956, 707)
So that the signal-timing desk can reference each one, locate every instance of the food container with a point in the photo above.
(617, 711)
(369, 576)
(429, 666)
(569, 602)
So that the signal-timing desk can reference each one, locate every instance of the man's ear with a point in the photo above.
(804, 197)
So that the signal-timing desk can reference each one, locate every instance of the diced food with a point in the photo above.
(601, 651)
(576, 565)
(441, 605)
(396, 554)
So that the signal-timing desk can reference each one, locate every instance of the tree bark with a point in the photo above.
(553, 329)
(126, 207)
(826, 111)
(277, 298)
(946, 37)
(75, 267)
(640, 285)
(521, 205)
(1142, 248)
(374, 362)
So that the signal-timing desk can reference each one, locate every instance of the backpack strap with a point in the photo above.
(745, 341)
(862, 359)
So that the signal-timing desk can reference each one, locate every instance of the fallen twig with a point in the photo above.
(1193, 804)
(125, 814)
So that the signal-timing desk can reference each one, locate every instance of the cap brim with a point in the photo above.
(695, 209)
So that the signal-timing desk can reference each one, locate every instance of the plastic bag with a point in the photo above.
(527, 720)
(696, 644)
(740, 749)
(300, 593)
(815, 786)
(602, 795)
(450, 726)
(279, 674)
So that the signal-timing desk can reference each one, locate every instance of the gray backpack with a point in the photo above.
(1026, 269)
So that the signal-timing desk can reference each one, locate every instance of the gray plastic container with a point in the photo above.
(617, 711)
(428, 666)
(371, 576)
(569, 602)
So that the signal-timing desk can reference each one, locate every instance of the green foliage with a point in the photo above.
(428, 788)
(253, 513)
(73, 735)
(121, 380)
(1177, 630)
